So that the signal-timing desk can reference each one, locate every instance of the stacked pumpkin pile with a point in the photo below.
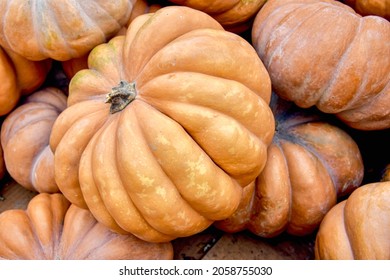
(173, 119)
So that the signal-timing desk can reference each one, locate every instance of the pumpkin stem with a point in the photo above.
(121, 96)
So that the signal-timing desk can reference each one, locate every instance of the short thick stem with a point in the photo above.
(121, 96)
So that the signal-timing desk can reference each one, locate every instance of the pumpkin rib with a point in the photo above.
(229, 162)
(139, 225)
(256, 221)
(63, 156)
(142, 192)
(206, 90)
(296, 27)
(201, 205)
(345, 226)
(328, 92)
(211, 52)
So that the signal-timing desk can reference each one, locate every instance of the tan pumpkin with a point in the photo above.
(159, 141)
(321, 53)
(311, 163)
(140, 7)
(59, 29)
(234, 15)
(370, 7)
(19, 76)
(53, 229)
(358, 227)
(25, 135)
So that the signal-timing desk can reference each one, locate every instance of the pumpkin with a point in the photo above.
(159, 141)
(60, 30)
(370, 7)
(25, 135)
(323, 54)
(234, 15)
(358, 227)
(386, 173)
(19, 76)
(51, 229)
(311, 163)
(72, 66)
(3, 169)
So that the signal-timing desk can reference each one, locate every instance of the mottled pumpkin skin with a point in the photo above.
(175, 159)
(322, 53)
(60, 29)
(358, 227)
(53, 229)
(25, 135)
(19, 76)
(234, 15)
(370, 7)
(310, 164)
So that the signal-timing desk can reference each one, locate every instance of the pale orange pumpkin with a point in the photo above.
(370, 7)
(321, 53)
(53, 229)
(234, 15)
(358, 227)
(311, 163)
(159, 141)
(60, 30)
(25, 135)
(140, 7)
(19, 76)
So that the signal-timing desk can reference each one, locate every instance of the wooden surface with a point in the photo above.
(212, 244)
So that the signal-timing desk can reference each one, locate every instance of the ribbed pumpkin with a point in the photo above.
(311, 163)
(25, 135)
(370, 7)
(234, 15)
(159, 141)
(321, 53)
(140, 7)
(358, 227)
(59, 29)
(19, 76)
(53, 229)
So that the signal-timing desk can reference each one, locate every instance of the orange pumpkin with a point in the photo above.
(311, 163)
(234, 15)
(159, 141)
(59, 29)
(371, 7)
(53, 229)
(321, 53)
(25, 135)
(19, 76)
(358, 227)
(140, 7)
(3, 169)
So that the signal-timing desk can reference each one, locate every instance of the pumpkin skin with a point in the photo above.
(60, 30)
(173, 159)
(25, 135)
(311, 163)
(53, 229)
(140, 7)
(19, 76)
(291, 35)
(234, 15)
(370, 7)
(3, 169)
(358, 227)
